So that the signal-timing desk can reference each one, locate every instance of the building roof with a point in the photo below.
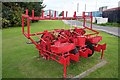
(112, 9)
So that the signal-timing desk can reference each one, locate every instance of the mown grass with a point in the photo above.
(111, 24)
(0, 53)
(110, 70)
(19, 58)
(108, 24)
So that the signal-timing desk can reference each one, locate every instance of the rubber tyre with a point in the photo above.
(91, 47)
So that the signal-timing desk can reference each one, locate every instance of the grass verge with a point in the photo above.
(109, 24)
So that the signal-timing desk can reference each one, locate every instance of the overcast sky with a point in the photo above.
(71, 5)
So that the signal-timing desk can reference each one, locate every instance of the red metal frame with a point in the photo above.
(60, 48)
(86, 16)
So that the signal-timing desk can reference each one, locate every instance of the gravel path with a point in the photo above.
(87, 72)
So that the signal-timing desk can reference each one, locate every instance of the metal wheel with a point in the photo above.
(45, 43)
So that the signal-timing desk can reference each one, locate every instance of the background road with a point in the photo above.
(111, 30)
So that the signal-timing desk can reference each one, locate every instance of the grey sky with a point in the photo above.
(71, 5)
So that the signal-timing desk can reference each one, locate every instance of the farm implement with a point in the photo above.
(63, 45)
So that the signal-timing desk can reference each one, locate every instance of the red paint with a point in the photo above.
(54, 14)
(26, 11)
(62, 14)
(49, 13)
(32, 13)
(42, 13)
(62, 47)
(66, 13)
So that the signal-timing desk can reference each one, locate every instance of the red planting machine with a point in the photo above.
(63, 45)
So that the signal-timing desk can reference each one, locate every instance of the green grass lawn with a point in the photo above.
(109, 24)
(0, 53)
(19, 58)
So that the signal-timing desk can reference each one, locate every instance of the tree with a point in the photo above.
(60, 14)
(12, 11)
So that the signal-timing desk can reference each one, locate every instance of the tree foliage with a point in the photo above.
(12, 11)
(60, 14)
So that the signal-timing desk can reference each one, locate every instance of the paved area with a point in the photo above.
(87, 72)
(111, 30)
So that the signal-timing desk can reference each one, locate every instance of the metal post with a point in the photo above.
(74, 15)
(66, 13)
(63, 14)
(77, 7)
(42, 13)
(91, 18)
(32, 13)
(84, 19)
(22, 24)
(26, 11)
(102, 54)
(85, 7)
(49, 13)
(64, 68)
(28, 27)
(54, 14)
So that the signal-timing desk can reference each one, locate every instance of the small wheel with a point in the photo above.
(91, 47)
